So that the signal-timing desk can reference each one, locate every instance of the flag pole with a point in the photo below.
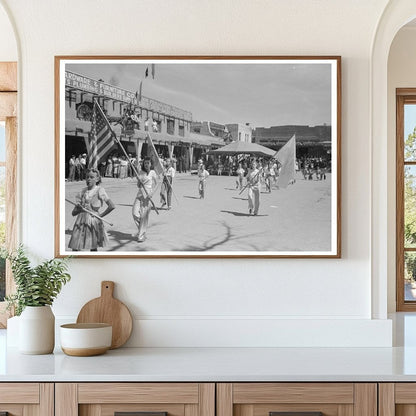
(250, 182)
(90, 212)
(129, 161)
(164, 176)
(136, 173)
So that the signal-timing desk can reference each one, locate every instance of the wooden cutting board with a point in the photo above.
(107, 309)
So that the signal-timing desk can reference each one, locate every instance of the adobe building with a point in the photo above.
(240, 132)
(310, 141)
(131, 119)
(230, 132)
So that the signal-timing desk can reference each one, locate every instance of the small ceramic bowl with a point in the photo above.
(83, 340)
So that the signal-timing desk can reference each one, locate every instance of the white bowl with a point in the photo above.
(84, 340)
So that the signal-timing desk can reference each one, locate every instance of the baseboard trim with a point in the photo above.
(258, 332)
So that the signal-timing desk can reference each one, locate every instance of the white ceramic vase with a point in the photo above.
(37, 330)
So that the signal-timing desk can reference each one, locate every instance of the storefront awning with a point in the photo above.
(83, 128)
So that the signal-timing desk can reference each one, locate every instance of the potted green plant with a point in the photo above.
(36, 289)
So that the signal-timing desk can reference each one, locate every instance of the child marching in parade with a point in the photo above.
(268, 175)
(240, 176)
(273, 173)
(166, 188)
(202, 175)
(253, 183)
(89, 232)
(146, 182)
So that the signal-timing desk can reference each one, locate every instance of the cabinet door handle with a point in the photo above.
(139, 414)
(295, 413)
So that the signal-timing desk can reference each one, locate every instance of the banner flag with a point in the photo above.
(286, 157)
(139, 93)
(152, 153)
(102, 141)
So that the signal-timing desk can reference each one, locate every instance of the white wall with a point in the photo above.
(277, 301)
(8, 46)
(401, 74)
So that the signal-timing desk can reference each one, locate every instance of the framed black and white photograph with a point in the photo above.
(198, 156)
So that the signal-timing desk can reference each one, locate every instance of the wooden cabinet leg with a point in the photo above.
(207, 399)
(365, 399)
(66, 399)
(224, 399)
(386, 399)
(47, 399)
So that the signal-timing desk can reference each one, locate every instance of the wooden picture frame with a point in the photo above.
(208, 118)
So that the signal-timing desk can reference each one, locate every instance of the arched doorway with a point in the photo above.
(396, 15)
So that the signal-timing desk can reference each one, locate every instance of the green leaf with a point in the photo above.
(35, 286)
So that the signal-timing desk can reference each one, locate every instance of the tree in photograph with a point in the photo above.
(410, 206)
(410, 146)
(410, 267)
(410, 191)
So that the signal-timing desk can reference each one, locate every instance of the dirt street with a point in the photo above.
(294, 219)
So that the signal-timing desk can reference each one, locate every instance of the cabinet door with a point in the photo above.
(141, 399)
(26, 399)
(397, 399)
(297, 399)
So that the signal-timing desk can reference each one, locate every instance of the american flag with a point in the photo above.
(102, 141)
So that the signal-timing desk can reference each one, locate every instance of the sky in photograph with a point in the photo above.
(263, 95)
